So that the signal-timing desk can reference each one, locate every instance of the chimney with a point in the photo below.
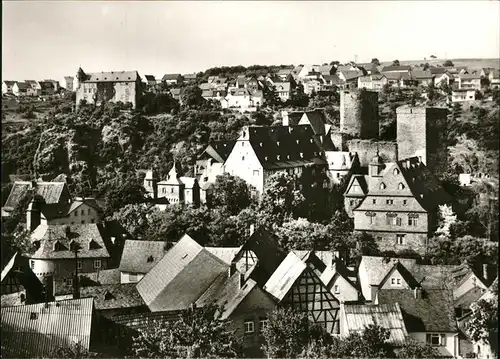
(252, 228)
(417, 292)
(232, 269)
(32, 217)
(485, 272)
(242, 280)
(284, 116)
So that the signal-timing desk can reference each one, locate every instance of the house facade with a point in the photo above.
(469, 81)
(261, 151)
(463, 95)
(68, 83)
(7, 87)
(178, 189)
(113, 86)
(79, 211)
(374, 82)
(284, 90)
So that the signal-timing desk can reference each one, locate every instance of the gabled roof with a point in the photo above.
(282, 86)
(81, 234)
(360, 180)
(113, 76)
(150, 77)
(437, 70)
(218, 150)
(326, 69)
(378, 267)
(171, 77)
(185, 272)
(282, 280)
(9, 83)
(396, 68)
(405, 274)
(61, 210)
(22, 85)
(394, 76)
(434, 312)
(388, 316)
(41, 328)
(267, 251)
(141, 256)
(338, 268)
(50, 191)
(421, 75)
(284, 146)
(316, 119)
(469, 76)
(113, 296)
(228, 292)
(225, 254)
(350, 75)
(334, 79)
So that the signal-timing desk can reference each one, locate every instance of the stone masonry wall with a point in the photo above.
(359, 114)
(367, 149)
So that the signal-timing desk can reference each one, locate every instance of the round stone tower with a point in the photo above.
(359, 114)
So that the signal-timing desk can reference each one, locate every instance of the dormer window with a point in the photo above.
(93, 244)
(302, 155)
(287, 157)
(265, 158)
(297, 141)
(260, 144)
(383, 186)
(58, 246)
(401, 186)
(396, 171)
(108, 296)
(278, 157)
(278, 143)
(150, 259)
(311, 140)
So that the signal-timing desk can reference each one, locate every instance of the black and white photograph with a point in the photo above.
(250, 179)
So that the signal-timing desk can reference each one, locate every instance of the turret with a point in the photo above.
(33, 217)
(376, 166)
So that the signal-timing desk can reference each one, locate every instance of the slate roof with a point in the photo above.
(378, 267)
(267, 251)
(361, 179)
(469, 297)
(388, 316)
(396, 68)
(326, 69)
(178, 280)
(282, 280)
(282, 86)
(393, 76)
(434, 312)
(282, 146)
(9, 83)
(81, 234)
(170, 77)
(333, 79)
(113, 296)
(112, 76)
(23, 85)
(421, 75)
(150, 78)
(104, 276)
(338, 268)
(50, 191)
(141, 256)
(350, 75)
(61, 323)
(61, 210)
(469, 76)
(225, 254)
(228, 292)
(316, 119)
(420, 184)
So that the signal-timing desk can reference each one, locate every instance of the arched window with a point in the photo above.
(401, 186)
(396, 171)
(383, 186)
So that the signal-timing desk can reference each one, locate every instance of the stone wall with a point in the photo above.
(386, 241)
(367, 149)
(359, 114)
(420, 132)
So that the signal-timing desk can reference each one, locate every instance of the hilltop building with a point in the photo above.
(113, 86)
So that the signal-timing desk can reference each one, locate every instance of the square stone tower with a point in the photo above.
(420, 132)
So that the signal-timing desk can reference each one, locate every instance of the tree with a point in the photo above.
(479, 95)
(191, 97)
(198, 333)
(395, 63)
(447, 218)
(298, 97)
(454, 251)
(288, 332)
(467, 156)
(134, 218)
(304, 235)
(271, 97)
(281, 198)
(448, 63)
(371, 343)
(375, 61)
(413, 349)
(121, 190)
(483, 323)
(230, 193)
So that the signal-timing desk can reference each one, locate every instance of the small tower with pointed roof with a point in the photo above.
(172, 188)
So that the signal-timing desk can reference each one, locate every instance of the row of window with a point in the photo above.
(412, 221)
(249, 325)
(82, 212)
(79, 264)
(384, 186)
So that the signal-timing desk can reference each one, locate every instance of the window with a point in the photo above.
(355, 188)
(172, 190)
(393, 281)
(242, 158)
(92, 220)
(256, 172)
(243, 144)
(82, 212)
(336, 289)
(88, 211)
(249, 326)
(398, 281)
(97, 263)
(352, 202)
(389, 201)
(412, 221)
(382, 186)
(263, 322)
(404, 202)
(436, 339)
(69, 281)
(401, 186)
(371, 219)
(400, 239)
(32, 264)
(398, 221)
(79, 264)
(374, 201)
(132, 277)
(83, 221)
(76, 213)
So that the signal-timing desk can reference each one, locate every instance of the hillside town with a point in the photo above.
(341, 210)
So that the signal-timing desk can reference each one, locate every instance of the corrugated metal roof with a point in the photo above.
(387, 316)
(62, 323)
(285, 276)
(181, 277)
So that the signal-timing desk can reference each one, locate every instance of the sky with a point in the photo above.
(51, 39)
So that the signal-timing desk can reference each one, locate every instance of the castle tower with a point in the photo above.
(359, 114)
(420, 132)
